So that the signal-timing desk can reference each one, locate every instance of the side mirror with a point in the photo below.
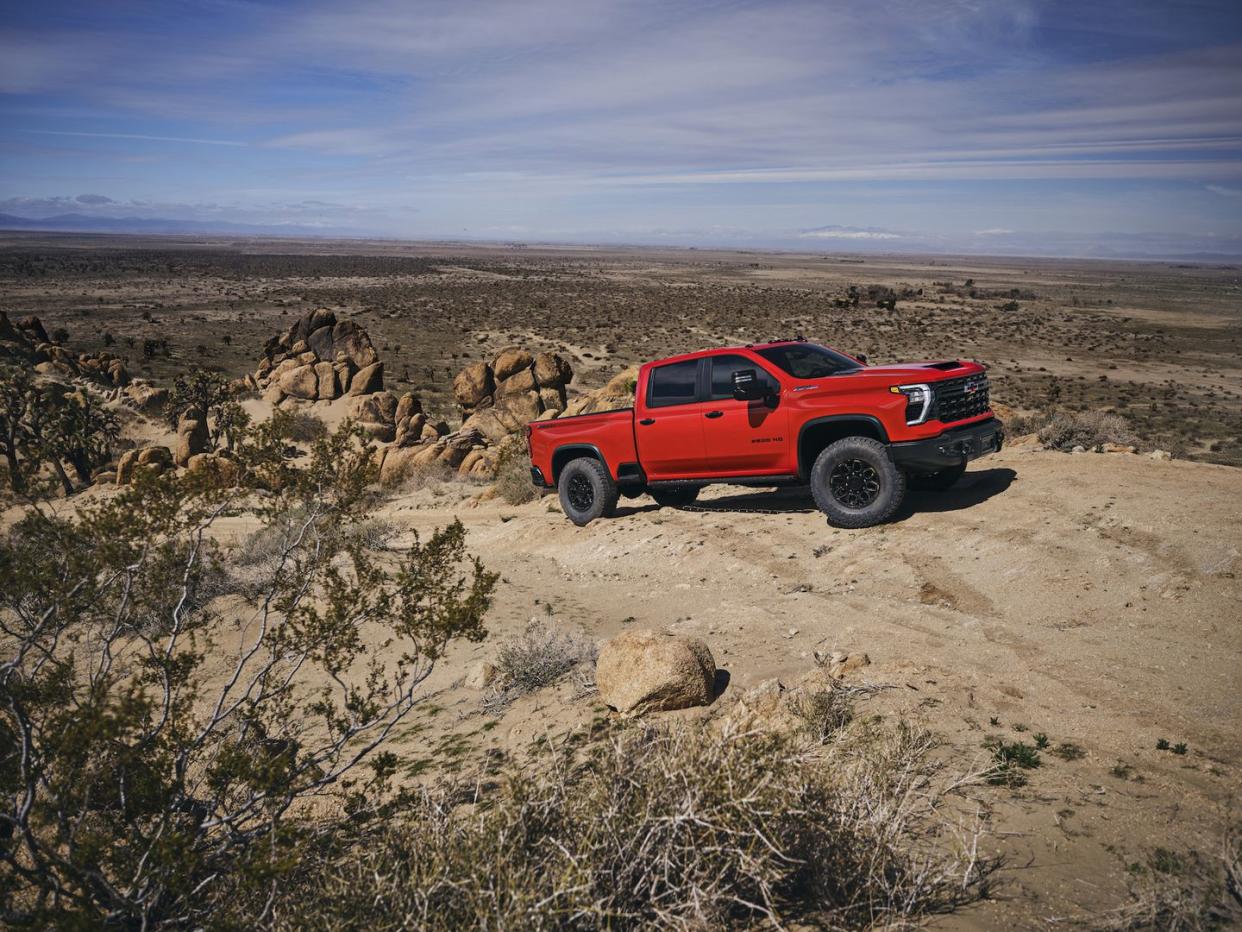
(747, 386)
(861, 358)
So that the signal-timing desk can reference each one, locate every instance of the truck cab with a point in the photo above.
(766, 414)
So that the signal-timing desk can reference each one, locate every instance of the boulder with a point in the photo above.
(407, 406)
(161, 456)
(367, 379)
(552, 399)
(473, 384)
(518, 409)
(191, 438)
(618, 393)
(510, 360)
(488, 423)
(146, 397)
(300, 382)
(325, 376)
(352, 340)
(521, 381)
(125, 467)
(378, 408)
(641, 671)
(552, 370)
(218, 468)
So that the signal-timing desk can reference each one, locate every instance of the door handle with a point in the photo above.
(647, 421)
(714, 414)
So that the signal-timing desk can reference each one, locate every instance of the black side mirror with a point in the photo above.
(747, 386)
(861, 358)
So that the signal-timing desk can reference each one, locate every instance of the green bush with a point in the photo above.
(164, 731)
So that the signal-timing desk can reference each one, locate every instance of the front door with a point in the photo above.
(743, 438)
(669, 430)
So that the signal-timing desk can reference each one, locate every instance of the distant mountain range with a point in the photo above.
(81, 223)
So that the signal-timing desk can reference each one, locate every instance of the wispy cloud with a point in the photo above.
(555, 115)
(141, 136)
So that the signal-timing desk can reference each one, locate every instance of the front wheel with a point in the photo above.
(940, 481)
(856, 484)
(586, 490)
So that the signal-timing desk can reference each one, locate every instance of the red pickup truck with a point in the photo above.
(772, 413)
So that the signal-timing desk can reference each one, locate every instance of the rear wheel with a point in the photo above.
(677, 497)
(586, 491)
(937, 481)
(856, 484)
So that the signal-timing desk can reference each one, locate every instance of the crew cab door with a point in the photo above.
(743, 438)
(669, 422)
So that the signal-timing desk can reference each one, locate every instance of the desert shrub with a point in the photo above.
(300, 426)
(1183, 891)
(513, 482)
(540, 656)
(1089, 429)
(1022, 424)
(416, 476)
(657, 827)
(160, 746)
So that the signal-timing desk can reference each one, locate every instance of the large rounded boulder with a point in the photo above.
(641, 671)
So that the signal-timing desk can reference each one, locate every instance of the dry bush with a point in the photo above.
(1089, 429)
(540, 656)
(1184, 892)
(673, 826)
(513, 482)
(302, 426)
(415, 477)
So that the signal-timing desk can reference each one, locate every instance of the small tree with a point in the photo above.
(207, 396)
(48, 424)
(164, 714)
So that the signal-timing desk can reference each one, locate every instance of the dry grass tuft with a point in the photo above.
(663, 827)
(513, 482)
(1088, 429)
(539, 657)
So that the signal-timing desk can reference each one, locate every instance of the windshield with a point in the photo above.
(808, 360)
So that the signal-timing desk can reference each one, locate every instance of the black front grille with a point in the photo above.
(958, 399)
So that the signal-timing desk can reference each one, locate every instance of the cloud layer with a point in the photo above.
(779, 121)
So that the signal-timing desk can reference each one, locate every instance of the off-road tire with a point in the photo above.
(940, 481)
(677, 497)
(856, 484)
(586, 491)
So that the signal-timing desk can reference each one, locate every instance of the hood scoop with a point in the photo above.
(944, 366)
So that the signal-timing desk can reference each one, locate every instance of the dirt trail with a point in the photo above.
(1090, 597)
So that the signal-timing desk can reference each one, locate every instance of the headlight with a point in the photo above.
(918, 401)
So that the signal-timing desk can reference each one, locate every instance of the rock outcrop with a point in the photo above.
(502, 396)
(192, 438)
(319, 358)
(152, 460)
(618, 393)
(641, 671)
(27, 343)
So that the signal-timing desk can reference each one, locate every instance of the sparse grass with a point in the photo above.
(672, 826)
(1067, 750)
(1009, 759)
(539, 657)
(1183, 891)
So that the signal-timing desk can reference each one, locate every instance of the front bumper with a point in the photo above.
(951, 448)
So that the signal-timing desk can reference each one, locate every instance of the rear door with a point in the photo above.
(669, 425)
(743, 438)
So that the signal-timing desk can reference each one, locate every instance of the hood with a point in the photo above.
(931, 371)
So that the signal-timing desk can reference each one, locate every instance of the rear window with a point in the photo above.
(674, 384)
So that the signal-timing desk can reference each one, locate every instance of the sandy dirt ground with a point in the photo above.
(1092, 598)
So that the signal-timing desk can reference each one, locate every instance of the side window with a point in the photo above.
(674, 384)
(723, 368)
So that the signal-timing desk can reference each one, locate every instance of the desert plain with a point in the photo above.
(1090, 599)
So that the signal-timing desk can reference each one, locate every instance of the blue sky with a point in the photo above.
(981, 125)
